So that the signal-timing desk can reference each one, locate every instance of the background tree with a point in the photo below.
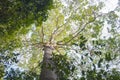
(16, 16)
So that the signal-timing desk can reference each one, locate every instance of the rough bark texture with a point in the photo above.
(48, 68)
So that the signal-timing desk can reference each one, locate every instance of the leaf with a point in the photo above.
(99, 62)
(91, 58)
(108, 56)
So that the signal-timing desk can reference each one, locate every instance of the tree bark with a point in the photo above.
(48, 67)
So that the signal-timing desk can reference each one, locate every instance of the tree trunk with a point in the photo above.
(48, 67)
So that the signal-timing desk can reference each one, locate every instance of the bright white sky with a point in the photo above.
(110, 5)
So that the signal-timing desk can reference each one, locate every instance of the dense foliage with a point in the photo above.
(16, 14)
(16, 17)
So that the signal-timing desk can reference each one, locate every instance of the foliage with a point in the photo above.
(17, 14)
(1, 71)
(64, 66)
(16, 74)
(16, 17)
(102, 75)
(75, 29)
(100, 62)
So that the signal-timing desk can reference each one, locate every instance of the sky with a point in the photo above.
(110, 5)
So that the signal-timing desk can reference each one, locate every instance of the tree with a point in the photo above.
(16, 16)
(57, 32)
(66, 27)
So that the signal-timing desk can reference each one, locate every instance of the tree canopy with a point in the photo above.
(72, 29)
(16, 16)
(22, 13)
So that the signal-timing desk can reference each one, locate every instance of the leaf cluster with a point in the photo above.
(17, 14)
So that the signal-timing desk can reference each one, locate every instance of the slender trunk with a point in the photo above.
(48, 67)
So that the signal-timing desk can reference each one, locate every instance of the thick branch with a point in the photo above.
(42, 32)
(54, 32)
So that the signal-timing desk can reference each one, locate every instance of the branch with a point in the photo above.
(54, 32)
(30, 43)
(57, 50)
(78, 32)
(61, 26)
(58, 30)
(42, 31)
